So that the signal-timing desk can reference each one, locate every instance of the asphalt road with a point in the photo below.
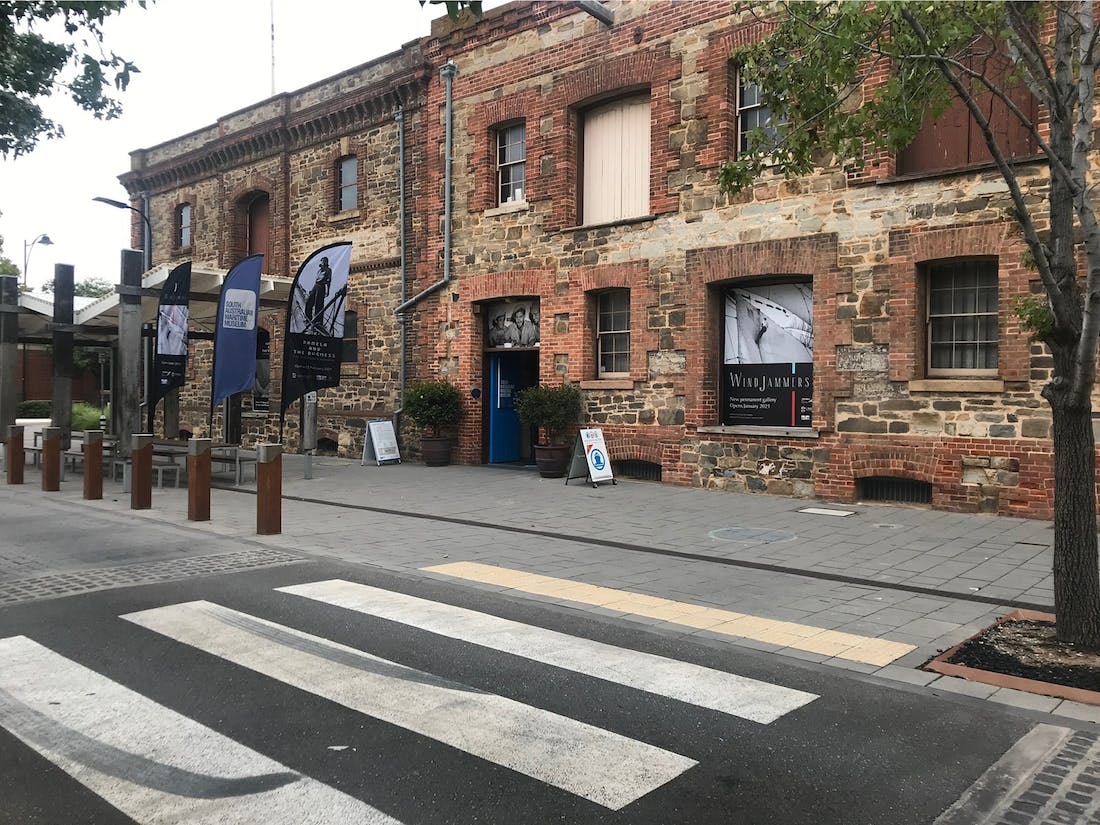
(218, 698)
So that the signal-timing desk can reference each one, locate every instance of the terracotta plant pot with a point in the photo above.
(435, 451)
(551, 460)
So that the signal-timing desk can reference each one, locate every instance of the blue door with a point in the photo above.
(505, 377)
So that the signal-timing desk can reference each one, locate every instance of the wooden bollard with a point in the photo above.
(269, 489)
(51, 459)
(198, 479)
(93, 464)
(141, 471)
(14, 455)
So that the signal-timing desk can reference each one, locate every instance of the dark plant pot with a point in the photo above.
(435, 451)
(552, 460)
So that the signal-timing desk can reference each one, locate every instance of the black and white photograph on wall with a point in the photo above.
(514, 323)
(261, 389)
(768, 350)
(170, 359)
(315, 324)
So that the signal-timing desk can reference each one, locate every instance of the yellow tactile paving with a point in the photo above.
(854, 648)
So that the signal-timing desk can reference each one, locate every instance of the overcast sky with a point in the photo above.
(199, 59)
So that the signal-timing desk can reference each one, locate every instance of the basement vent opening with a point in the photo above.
(894, 489)
(637, 469)
(326, 446)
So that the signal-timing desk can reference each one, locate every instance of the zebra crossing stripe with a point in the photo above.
(598, 765)
(153, 764)
(714, 689)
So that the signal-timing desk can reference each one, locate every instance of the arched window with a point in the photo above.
(258, 239)
(347, 189)
(183, 225)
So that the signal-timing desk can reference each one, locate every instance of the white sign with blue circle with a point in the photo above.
(595, 453)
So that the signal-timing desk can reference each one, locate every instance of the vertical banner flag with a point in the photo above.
(170, 360)
(315, 324)
(235, 331)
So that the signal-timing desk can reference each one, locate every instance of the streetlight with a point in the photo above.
(43, 239)
(147, 244)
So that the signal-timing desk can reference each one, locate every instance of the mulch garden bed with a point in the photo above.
(1021, 651)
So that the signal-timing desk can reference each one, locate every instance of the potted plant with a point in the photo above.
(432, 406)
(555, 411)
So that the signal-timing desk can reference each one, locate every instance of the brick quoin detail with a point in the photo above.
(584, 282)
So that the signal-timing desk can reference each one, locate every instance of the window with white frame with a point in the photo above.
(613, 333)
(511, 163)
(963, 331)
(615, 161)
(183, 225)
(348, 189)
(753, 115)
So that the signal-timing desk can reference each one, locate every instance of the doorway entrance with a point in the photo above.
(509, 371)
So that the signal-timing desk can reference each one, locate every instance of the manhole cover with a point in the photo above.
(756, 535)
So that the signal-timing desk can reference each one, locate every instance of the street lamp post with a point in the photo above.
(43, 239)
(147, 242)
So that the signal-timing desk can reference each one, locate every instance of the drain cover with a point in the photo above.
(756, 535)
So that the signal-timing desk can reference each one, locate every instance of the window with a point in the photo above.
(511, 163)
(613, 333)
(954, 140)
(183, 226)
(752, 114)
(348, 189)
(349, 352)
(615, 161)
(962, 318)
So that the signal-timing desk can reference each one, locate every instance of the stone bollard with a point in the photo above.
(269, 489)
(14, 454)
(93, 464)
(141, 471)
(198, 479)
(51, 459)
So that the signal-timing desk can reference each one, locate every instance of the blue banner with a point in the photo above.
(235, 334)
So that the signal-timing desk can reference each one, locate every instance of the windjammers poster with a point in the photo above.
(768, 353)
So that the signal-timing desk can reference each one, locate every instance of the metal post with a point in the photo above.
(125, 415)
(141, 474)
(93, 464)
(308, 437)
(15, 454)
(9, 343)
(269, 489)
(63, 352)
(51, 459)
(198, 479)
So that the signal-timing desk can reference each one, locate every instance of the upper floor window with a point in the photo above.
(349, 352)
(615, 161)
(954, 140)
(183, 225)
(962, 318)
(613, 333)
(511, 163)
(754, 119)
(348, 187)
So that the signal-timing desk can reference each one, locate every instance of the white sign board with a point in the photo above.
(595, 455)
(380, 443)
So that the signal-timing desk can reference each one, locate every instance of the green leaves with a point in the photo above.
(32, 67)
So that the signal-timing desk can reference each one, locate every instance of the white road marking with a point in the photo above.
(714, 689)
(150, 762)
(592, 763)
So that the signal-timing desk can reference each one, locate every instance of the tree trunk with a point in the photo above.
(1076, 571)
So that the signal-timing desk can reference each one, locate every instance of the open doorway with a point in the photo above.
(508, 440)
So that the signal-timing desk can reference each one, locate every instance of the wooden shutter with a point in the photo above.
(615, 175)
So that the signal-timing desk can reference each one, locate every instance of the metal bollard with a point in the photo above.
(269, 489)
(93, 464)
(141, 472)
(14, 454)
(51, 459)
(198, 479)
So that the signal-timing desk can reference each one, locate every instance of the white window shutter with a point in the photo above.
(615, 177)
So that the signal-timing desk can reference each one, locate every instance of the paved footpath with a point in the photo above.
(878, 591)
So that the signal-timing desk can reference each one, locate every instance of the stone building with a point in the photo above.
(849, 334)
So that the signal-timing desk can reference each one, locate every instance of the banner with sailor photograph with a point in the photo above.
(170, 360)
(315, 324)
(768, 353)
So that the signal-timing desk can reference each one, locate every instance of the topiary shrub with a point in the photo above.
(554, 409)
(433, 405)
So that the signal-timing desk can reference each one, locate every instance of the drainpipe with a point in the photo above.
(447, 72)
(399, 116)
